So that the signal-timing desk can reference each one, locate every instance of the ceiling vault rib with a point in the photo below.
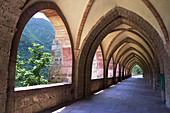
(129, 30)
(113, 41)
(158, 18)
(86, 12)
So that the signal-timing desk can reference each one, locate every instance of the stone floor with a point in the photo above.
(133, 95)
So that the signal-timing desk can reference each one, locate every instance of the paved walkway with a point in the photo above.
(133, 95)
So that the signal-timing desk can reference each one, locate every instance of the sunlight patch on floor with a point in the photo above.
(112, 85)
(99, 92)
(59, 110)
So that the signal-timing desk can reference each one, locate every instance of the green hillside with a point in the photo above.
(37, 30)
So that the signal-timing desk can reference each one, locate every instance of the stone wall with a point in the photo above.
(96, 85)
(167, 74)
(36, 100)
(33, 100)
(61, 49)
(67, 65)
(109, 81)
(9, 15)
(55, 69)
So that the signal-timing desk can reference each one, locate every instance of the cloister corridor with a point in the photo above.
(132, 95)
(78, 56)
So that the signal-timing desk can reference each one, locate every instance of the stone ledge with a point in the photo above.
(97, 79)
(39, 88)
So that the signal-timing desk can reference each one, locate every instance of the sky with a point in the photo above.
(40, 15)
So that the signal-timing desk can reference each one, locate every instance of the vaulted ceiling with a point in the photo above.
(125, 41)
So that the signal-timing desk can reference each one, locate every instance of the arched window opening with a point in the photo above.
(49, 57)
(136, 70)
(110, 69)
(117, 70)
(97, 66)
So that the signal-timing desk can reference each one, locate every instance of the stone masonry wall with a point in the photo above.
(55, 69)
(96, 85)
(31, 101)
(167, 74)
(9, 15)
(109, 81)
(62, 48)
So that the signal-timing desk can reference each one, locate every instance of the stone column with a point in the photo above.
(150, 78)
(120, 75)
(156, 80)
(114, 73)
(154, 83)
(163, 88)
(105, 74)
(78, 82)
(123, 76)
(125, 73)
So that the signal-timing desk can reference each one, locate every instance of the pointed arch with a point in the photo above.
(106, 25)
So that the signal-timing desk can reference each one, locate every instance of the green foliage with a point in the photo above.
(39, 61)
(136, 70)
(37, 30)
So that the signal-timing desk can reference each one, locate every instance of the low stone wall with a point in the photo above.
(36, 100)
(117, 80)
(96, 85)
(109, 81)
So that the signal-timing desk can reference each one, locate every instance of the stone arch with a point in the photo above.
(128, 50)
(23, 19)
(134, 32)
(130, 40)
(104, 26)
(158, 18)
(97, 71)
(128, 64)
(134, 65)
(138, 58)
(146, 68)
(132, 55)
(107, 79)
(147, 3)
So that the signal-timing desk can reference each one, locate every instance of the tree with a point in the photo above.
(136, 70)
(39, 60)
